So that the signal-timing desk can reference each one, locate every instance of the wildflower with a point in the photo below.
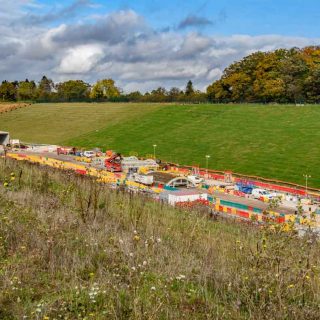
(5, 184)
(158, 240)
(290, 286)
(307, 277)
(133, 268)
(46, 318)
(135, 232)
(23, 248)
(136, 238)
(153, 288)
(131, 254)
(144, 263)
(91, 274)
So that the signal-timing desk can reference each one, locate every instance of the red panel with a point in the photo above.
(83, 172)
(281, 219)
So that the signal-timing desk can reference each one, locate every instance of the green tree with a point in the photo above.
(45, 89)
(104, 89)
(189, 89)
(8, 91)
(26, 90)
(134, 96)
(159, 95)
(73, 90)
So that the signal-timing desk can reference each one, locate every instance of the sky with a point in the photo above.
(144, 44)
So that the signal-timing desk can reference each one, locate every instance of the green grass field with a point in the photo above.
(279, 142)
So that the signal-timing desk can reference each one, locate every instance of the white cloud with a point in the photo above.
(80, 59)
(123, 46)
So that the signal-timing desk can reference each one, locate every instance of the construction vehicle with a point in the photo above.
(117, 163)
(196, 179)
(66, 150)
(89, 154)
(113, 164)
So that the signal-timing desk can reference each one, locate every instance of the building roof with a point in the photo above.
(185, 192)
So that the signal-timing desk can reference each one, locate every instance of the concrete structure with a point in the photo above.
(169, 180)
(4, 138)
(183, 195)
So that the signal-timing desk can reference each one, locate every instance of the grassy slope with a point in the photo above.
(123, 257)
(54, 123)
(279, 142)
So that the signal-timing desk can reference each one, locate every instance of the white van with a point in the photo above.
(257, 193)
(89, 154)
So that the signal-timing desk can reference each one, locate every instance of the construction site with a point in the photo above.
(223, 193)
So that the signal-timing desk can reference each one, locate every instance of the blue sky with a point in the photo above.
(146, 44)
(253, 17)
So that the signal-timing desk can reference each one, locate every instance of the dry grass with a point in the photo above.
(7, 107)
(73, 249)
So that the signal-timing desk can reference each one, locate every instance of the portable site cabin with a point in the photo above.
(183, 195)
(4, 138)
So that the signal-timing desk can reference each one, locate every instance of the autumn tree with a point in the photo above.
(73, 90)
(104, 89)
(8, 91)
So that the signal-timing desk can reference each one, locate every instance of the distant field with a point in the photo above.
(279, 142)
(5, 107)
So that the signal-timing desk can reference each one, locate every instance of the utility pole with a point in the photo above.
(154, 151)
(307, 177)
(207, 163)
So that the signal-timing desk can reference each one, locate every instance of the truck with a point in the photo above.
(117, 163)
(261, 193)
(66, 150)
(143, 179)
(196, 179)
(89, 154)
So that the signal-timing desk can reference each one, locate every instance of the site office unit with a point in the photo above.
(185, 195)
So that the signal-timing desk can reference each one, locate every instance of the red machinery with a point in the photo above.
(113, 163)
(66, 150)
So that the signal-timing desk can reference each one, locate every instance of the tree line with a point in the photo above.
(103, 90)
(280, 76)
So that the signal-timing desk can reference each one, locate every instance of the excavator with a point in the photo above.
(113, 164)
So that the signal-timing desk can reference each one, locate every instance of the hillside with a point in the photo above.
(72, 249)
(271, 141)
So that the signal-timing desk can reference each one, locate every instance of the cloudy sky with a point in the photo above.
(143, 44)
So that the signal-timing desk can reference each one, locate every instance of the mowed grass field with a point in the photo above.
(280, 142)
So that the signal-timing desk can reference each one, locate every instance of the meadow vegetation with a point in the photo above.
(71, 248)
